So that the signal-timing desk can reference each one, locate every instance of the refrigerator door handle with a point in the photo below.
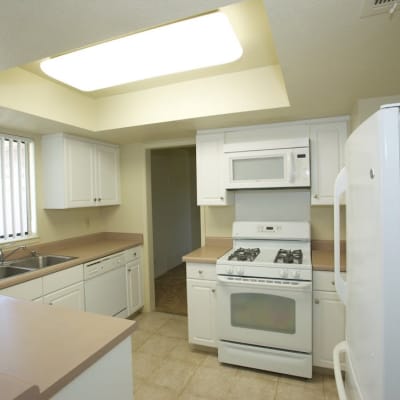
(340, 188)
(339, 348)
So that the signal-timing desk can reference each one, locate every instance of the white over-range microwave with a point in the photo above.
(268, 164)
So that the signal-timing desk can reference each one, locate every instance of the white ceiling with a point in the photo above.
(330, 57)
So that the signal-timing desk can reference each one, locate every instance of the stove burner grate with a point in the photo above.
(289, 256)
(243, 254)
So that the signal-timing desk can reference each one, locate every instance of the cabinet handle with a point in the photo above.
(95, 199)
(99, 199)
(213, 290)
(221, 198)
(316, 301)
(316, 196)
(50, 304)
(129, 270)
(333, 283)
(200, 271)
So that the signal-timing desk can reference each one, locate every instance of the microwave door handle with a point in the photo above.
(290, 164)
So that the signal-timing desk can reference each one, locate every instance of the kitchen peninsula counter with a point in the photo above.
(43, 349)
(84, 248)
(213, 249)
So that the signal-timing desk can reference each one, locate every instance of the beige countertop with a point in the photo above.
(15, 389)
(213, 249)
(85, 248)
(48, 347)
(321, 253)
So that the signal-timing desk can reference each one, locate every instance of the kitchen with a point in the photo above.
(354, 88)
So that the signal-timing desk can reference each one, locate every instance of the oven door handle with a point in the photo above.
(258, 282)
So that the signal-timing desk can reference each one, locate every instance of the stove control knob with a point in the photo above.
(296, 274)
(229, 270)
(283, 273)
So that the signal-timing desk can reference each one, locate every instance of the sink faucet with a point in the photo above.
(3, 256)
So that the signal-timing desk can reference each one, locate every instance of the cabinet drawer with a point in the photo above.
(133, 254)
(325, 280)
(27, 291)
(201, 271)
(61, 279)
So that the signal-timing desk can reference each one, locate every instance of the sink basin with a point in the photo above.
(7, 271)
(36, 262)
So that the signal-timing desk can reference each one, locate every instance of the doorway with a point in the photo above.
(176, 223)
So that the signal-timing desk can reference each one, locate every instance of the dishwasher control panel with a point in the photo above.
(102, 265)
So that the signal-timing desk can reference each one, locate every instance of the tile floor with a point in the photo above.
(166, 367)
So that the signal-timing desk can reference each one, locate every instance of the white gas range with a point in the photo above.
(264, 298)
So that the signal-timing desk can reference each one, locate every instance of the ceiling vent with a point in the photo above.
(374, 7)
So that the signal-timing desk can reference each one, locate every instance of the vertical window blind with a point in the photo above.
(17, 212)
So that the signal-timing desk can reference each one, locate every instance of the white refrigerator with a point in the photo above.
(370, 182)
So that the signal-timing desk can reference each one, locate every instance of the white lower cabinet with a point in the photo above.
(110, 377)
(134, 279)
(328, 319)
(72, 297)
(201, 298)
(65, 288)
(30, 290)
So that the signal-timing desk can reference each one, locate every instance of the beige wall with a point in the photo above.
(254, 89)
(61, 224)
(363, 108)
(217, 221)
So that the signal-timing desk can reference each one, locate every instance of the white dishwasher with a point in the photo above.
(105, 286)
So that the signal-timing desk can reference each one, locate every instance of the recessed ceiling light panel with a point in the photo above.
(191, 44)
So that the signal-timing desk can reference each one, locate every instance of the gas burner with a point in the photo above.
(243, 254)
(289, 256)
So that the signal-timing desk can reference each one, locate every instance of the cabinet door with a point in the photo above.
(328, 327)
(327, 151)
(210, 170)
(71, 297)
(134, 286)
(79, 166)
(202, 312)
(107, 175)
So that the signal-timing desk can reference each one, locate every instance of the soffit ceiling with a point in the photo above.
(329, 55)
(257, 43)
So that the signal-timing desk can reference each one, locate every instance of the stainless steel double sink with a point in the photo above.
(28, 264)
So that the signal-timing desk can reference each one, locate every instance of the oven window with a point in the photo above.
(264, 312)
(258, 168)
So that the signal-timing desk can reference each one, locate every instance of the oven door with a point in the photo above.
(265, 312)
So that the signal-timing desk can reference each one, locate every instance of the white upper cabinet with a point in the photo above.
(79, 172)
(210, 170)
(327, 158)
(107, 175)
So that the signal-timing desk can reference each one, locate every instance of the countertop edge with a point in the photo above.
(88, 362)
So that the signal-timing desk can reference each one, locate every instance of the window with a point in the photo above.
(17, 194)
